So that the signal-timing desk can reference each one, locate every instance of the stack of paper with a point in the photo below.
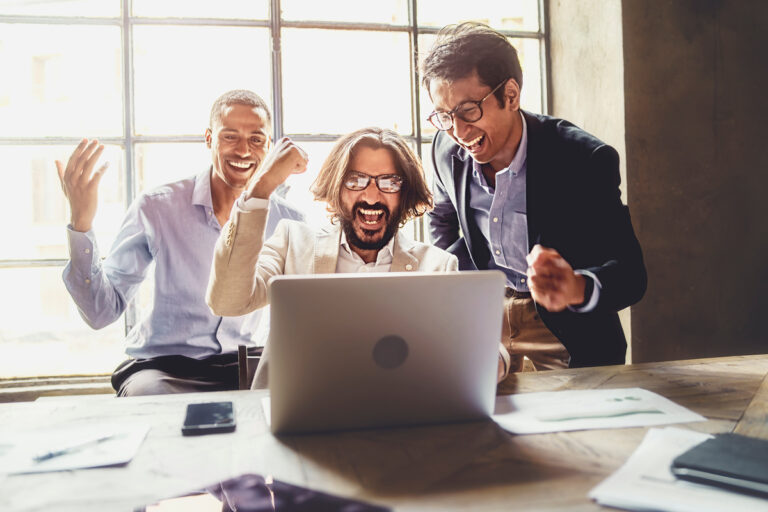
(645, 481)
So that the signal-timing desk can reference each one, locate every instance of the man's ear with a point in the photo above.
(208, 137)
(512, 94)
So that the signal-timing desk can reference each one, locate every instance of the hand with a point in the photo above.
(551, 280)
(286, 158)
(500, 371)
(80, 184)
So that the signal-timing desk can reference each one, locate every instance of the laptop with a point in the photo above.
(351, 351)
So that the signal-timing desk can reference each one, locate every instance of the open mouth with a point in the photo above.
(474, 145)
(239, 166)
(371, 219)
(369, 216)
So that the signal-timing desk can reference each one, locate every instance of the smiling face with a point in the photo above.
(493, 139)
(370, 217)
(238, 142)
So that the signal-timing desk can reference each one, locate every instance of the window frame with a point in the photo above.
(129, 140)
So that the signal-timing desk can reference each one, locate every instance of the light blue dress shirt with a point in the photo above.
(500, 214)
(175, 227)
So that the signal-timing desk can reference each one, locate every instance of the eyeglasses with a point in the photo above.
(468, 111)
(388, 183)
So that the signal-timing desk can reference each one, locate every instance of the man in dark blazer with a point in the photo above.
(533, 196)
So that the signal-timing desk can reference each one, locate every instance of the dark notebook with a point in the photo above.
(732, 461)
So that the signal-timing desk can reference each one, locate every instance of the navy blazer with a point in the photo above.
(574, 206)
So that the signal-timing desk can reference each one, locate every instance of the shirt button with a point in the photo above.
(495, 219)
(87, 281)
(522, 280)
(498, 251)
(87, 251)
(409, 267)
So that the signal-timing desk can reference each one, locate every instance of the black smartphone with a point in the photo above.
(208, 418)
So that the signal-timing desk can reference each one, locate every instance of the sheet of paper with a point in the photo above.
(645, 482)
(558, 411)
(19, 449)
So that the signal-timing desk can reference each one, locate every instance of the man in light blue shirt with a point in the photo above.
(180, 346)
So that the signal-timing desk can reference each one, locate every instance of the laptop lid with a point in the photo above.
(355, 351)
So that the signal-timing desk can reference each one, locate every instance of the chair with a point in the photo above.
(247, 361)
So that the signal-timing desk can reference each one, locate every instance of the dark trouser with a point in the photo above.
(177, 374)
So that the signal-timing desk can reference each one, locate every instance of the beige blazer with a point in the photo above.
(243, 264)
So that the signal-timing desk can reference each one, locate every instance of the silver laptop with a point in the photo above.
(355, 351)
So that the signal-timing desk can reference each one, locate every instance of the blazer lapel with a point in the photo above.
(327, 250)
(402, 259)
(533, 179)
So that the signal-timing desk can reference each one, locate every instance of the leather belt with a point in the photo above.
(512, 293)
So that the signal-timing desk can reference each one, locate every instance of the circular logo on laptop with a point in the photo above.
(390, 352)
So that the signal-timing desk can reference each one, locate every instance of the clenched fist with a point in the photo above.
(286, 158)
(552, 281)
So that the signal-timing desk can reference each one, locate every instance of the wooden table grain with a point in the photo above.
(470, 466)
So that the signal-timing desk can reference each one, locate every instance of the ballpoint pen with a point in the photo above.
(72, 448)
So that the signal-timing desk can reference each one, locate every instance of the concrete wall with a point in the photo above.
(696, 79)
(587, 78)
(695, 82)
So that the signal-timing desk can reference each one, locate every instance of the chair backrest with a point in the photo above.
(247, 361)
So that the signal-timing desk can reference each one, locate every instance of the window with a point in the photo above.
(141, 76)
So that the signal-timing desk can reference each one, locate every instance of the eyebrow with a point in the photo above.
(255, 132)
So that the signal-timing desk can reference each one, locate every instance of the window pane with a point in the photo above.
(42, 332)
(528, 51)
(357, 89)
(158, 164)
(39, 208)
(246, 9)
(426, 160)
(90, 8)
(63, 80)
(363, 11)
(517, 15)
(180, 71)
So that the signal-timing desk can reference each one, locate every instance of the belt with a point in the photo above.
(512, 293)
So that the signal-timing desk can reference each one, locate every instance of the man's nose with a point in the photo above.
(242, 149)
(371, 193)
(460, 127)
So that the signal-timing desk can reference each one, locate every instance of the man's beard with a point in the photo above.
(347, 224)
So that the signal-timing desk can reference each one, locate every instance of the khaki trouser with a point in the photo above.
(525, 336)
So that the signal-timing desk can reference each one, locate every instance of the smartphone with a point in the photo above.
(208, 418)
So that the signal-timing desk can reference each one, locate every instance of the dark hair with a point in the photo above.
(415, 198)
(238, 97)
(461, 50)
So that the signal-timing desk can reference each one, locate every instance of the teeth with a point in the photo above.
(371, 212)
(473, 142)
(240, 165)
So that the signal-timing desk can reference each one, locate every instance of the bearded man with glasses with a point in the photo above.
(533, 196)
(372, 183)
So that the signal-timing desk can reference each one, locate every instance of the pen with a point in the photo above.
(72, 448)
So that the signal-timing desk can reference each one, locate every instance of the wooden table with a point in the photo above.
(473, 466)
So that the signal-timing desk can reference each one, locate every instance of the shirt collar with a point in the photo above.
(387, 250)
(518, 161)
(202, 193)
